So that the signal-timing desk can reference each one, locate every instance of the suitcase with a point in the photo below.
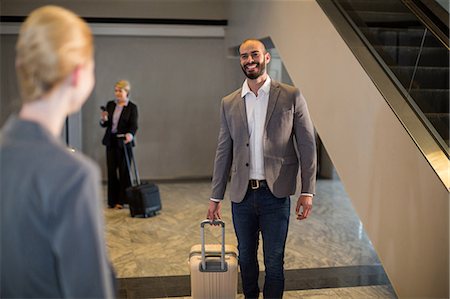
(213, 268)
(143, 197)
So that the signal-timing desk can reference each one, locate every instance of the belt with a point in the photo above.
(256, 184)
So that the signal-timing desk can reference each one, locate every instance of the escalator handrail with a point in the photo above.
(433, 16)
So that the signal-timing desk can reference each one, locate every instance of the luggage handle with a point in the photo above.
(135, 181)
(202, 234)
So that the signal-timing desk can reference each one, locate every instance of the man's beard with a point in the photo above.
(252, 76)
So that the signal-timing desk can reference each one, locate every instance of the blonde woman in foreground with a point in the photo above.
(52, 239)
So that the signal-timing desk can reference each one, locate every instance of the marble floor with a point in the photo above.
(332, 239)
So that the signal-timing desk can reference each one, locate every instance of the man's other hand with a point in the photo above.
(304, 206)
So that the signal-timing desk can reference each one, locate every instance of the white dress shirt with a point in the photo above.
(256, 107)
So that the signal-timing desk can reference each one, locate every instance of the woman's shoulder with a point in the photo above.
(71, 161)
(131, 104)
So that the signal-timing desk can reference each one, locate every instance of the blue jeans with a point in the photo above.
(261, 211)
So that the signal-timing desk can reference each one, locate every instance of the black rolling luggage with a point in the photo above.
(143, 197)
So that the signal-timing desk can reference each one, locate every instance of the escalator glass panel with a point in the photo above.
(416, 60)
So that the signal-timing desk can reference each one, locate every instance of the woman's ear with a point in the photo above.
(75, 76)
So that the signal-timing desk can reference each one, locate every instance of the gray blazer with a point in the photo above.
(288, 126)
(51, 221)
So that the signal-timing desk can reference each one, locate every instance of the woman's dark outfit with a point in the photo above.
(118, 177)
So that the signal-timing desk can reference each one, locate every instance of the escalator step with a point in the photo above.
(399, 37)
(384, 19)
(370, 5)
(407, 56)
(431, 100)
(425, 77)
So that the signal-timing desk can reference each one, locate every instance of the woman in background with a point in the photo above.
(52, 233)
(120, 119)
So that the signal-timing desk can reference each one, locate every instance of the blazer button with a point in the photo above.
(247, 144)
(246, 164)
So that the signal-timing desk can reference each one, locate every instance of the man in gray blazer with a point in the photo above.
(262, 127)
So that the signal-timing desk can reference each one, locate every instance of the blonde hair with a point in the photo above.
(52, 42)
(123, 84)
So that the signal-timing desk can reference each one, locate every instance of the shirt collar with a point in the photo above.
(126, 102)
(264, 88)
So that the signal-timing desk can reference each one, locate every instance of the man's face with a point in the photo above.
(253, 59)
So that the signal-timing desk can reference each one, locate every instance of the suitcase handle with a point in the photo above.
(202, 234)
(135, 181)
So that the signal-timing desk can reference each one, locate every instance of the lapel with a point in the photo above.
(124, 114)
(273, 98)
(242, 109)
(124, 111)
(111, 109)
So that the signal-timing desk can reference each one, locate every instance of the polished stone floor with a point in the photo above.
(331, 244)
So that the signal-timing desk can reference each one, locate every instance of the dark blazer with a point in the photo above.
(287, 126)
(127, 121)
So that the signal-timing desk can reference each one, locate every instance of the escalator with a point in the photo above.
(412, 53)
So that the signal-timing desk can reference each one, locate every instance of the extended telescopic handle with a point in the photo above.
(130, 162)
(202, 234)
